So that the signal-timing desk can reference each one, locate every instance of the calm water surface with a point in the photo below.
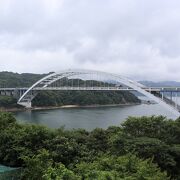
(89, 118)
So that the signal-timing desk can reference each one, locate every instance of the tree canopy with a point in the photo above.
(139, 148)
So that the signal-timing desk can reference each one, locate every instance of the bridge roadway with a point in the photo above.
(149, 89)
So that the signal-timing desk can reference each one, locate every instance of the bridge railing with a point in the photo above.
(167, 100)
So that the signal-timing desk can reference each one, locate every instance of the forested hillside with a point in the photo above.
(10, 79)
(83, 98)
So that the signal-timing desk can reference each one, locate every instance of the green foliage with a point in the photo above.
(60, 172)
(145, 126)
(6, 120)
(41, 167)
(9, 79)
(37, 165)
(8, 102)
(153, 136)
(123, 167)
(98, 140)
(130, 151)
(50, 98)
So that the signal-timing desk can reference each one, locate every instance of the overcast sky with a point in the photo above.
(136, 38)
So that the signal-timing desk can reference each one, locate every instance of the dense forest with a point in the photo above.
(10, 79)
(59, 98)
(8, 102)
(83, 98)
(50, 98)
(140, 148)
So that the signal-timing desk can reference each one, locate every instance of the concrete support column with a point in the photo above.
(162, 95)
(27, 105)
(176, 103)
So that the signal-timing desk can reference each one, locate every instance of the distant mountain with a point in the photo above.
(161, 83)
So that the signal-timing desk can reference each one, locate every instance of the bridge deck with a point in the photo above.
(149, 89)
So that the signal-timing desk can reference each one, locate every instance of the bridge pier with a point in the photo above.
(162, 95)
(27, 105)
(9, 92)
(3, 93)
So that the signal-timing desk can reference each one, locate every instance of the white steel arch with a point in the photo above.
(27, 97)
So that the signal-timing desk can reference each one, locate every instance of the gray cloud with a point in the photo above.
(136, 38)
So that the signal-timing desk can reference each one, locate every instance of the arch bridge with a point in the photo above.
(90, 80)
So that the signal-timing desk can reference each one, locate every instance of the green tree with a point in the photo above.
(123, 167)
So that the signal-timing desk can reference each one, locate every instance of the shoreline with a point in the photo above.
(65, 107)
